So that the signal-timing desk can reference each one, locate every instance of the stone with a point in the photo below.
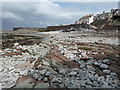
(91, 68)
(88, 82)
(101, 79)
(42, 85)
(74, 86)
(106, 71)
(96, 76)
(36, 76)
(63, 71)
(73, 73)
(52, 71)
(16, 44)
(47, 74)
(88, 86)
(83, 54)
(10, 84)
(82, 65)
(91, 77)
(28, 80)
(76, 59)
(46, 63)
(56, 80)
(43, 72)
(105, 85)
(94, 53)
(45, 79)
(95, 84)
(24, 85)
(109, 80)
(105, 60)
(40, 78)
(82, 83)
(116, 82)
(113, 75)
(96, 63)
(24, 73)
(104, 66)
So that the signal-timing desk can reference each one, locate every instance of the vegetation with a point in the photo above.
(116, 21)
(98, 67)
(8, 40)
(43, 30)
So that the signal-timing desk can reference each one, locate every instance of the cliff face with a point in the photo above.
(108, 23)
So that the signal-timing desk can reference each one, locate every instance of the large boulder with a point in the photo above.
(25, 84)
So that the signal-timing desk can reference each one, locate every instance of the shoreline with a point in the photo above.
(59, 60)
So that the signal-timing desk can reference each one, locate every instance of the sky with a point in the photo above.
(42, 14)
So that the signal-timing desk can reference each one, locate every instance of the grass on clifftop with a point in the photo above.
(44, 30)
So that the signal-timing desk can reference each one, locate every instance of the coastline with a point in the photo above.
(60, 59)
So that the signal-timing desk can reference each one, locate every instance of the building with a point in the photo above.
(105, 15)
(86, 19)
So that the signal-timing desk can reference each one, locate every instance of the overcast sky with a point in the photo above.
(42, 14)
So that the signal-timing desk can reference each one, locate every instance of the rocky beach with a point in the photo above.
(62, 60)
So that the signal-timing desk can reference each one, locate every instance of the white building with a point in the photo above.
(86, 19)
(90, 19)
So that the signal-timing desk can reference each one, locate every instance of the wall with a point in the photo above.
(27, 28)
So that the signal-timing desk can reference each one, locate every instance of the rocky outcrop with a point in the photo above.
(59, 62)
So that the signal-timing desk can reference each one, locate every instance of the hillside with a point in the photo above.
(107, 23)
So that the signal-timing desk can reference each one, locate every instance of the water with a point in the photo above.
(38, 34)
(43, 39)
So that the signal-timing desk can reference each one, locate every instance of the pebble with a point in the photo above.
(113, 75)
(43, 72)
(105, 60)
(63, 71)
(47, 74)
(96, 63)
(104, 66)
(88, 82)
(105, 85)
(82, 83)
(73, 73)
(91, 77)
(95, 84)
(82, 65)
(106, 71)
(45, 79)
(46, 63)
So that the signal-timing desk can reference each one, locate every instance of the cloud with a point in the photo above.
(60, 0)
(10, 15)
(42, 14)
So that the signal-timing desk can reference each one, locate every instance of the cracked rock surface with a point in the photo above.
(61, 61)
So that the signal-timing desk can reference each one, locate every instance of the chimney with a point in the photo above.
(112, 10)
(103, 12)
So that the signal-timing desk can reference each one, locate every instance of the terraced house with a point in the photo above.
(86, 19)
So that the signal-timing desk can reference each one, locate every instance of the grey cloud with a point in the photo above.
(47, 13)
